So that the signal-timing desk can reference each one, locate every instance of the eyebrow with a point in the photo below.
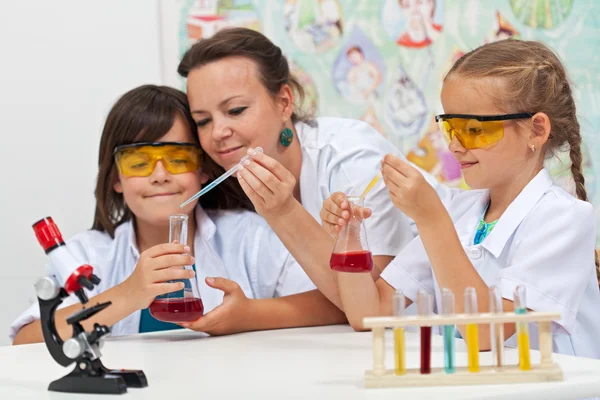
(221, 104)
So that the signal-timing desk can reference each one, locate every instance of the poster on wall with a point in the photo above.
(383, 61)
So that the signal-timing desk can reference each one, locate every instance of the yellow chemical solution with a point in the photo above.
(473, 347)
(399, 351)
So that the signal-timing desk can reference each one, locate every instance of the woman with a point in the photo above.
(241, 96)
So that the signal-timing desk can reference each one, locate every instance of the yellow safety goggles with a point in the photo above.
(139, 159)
(475, 131)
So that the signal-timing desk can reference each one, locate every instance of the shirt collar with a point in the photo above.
(516, 212)
(205, 229)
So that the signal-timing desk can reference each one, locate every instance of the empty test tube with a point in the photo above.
(496, 330)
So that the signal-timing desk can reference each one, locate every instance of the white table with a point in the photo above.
(310, 363)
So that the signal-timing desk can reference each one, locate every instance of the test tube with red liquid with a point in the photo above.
(184, 305)
(351, 252)
(425, 309)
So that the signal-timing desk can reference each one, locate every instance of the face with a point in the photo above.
(153, 198)
(355, 57)
(499, 163)
(234, 111)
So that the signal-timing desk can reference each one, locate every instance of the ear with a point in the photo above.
(286, 102)
(117, 186)
(541, 130)
(203, 178)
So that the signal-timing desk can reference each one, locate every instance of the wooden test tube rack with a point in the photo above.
(545, 371)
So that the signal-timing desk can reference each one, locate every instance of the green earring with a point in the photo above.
(286, 137)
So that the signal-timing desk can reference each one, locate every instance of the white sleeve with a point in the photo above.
(360, 150)
(32, 314)
(277, 272)
(410, 271)
(553, 258)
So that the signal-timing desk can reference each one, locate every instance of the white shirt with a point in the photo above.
(344, 155)
(544, 240)
(237, 245)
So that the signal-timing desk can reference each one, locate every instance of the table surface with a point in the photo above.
(308, 363)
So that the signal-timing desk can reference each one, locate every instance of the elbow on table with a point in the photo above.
(357, 323)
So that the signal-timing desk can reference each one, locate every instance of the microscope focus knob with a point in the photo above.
(73, 348)
(47, 288)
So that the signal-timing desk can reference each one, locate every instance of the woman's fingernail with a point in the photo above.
(186, 249)
(240, 168)
(252, 152)
(210, 280)
(193, 259)
(247, 162)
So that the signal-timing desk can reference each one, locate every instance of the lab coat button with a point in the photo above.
(474, 253)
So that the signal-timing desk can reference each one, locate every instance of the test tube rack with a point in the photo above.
(546, 370)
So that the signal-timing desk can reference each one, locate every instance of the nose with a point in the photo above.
(221, 130)
(455, 146)
(160, 173)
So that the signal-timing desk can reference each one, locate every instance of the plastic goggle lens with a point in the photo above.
(141, 161)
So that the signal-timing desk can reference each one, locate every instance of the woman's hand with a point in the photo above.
(336, 212)
(409, 190)
(230, 316)
(156, 266)
(268, 184)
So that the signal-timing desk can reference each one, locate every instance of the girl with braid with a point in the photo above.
(508, 106)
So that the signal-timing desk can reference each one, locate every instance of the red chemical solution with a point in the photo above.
(425, 349)
(352, 261)
(177, 310)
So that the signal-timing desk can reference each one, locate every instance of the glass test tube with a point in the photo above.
(496, 330)
(425, 309)
(522, 330)
(398, 304)
(472, 333)
(448, 310)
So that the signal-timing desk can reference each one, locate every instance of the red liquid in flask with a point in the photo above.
(352, 261)
(425, 349)
(177, 310)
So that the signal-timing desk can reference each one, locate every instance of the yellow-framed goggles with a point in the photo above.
(139, 159)
(475, 131)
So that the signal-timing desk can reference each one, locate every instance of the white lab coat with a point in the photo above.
(545, 241)
(344, 155)
(236, 245)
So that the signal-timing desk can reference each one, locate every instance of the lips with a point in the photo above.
(158, 195)
(467, 164)
(229, 150)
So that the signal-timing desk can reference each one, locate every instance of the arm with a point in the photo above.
(119, 309)
(453, 270)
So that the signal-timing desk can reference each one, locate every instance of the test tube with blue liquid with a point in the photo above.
(448, 310)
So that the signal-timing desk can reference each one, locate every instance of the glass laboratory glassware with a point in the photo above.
(351, 252)
(184, 305)
(522, 329)
(425, 309)
(496, 329)
(447, 311)
(472, 331)
(398, 305)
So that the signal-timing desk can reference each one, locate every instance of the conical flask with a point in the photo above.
(184, 305)
(351, 252)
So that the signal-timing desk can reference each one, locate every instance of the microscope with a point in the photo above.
(83, 348)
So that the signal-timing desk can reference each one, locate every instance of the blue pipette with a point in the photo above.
(219, 179)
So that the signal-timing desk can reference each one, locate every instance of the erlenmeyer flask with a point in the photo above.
(184, 305)
(351, 252)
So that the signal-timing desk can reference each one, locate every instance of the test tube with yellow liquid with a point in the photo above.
(522, 330)
(472, 332)
(496, 330)
(398, 305)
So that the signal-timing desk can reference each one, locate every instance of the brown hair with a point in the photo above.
(243, 42)
(534, 80)
(145, 114)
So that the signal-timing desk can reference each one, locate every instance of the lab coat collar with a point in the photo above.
(516, 212)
